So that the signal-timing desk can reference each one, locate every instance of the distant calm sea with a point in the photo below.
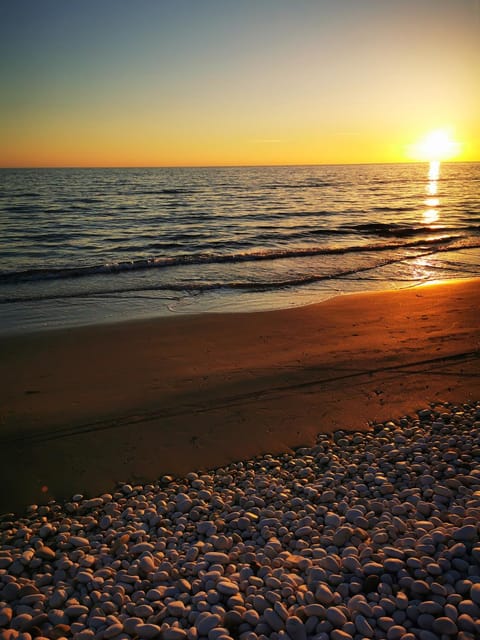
(88, 245)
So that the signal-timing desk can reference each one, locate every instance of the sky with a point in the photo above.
(235, 82)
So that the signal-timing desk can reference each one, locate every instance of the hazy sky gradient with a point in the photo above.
(200, 82)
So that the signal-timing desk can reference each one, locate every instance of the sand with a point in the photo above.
(82, 409)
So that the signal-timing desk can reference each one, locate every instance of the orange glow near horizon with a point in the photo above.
(205, 83)
(70, 148)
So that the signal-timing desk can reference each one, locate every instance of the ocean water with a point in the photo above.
(80, 246)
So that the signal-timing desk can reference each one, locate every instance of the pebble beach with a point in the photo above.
(239, 320)
(363, 535)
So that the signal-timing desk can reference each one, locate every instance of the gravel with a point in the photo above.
(364, 535)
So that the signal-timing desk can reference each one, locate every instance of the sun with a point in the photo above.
(436, 146)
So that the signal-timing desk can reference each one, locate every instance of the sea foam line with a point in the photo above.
(211, 258)
(201, 287)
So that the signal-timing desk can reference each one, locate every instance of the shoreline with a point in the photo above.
(107, 312)
(87, 407)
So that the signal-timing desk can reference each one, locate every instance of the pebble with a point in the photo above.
(79, 541)
(336, 616)
(10, 591)
(105, 522)
(147, 631)
(469, 606)
(130, 624)
(430, 607)
(57, 598)
(332, 519)
(420, 587)
(466, 623)
(46, 553)
(6, 615)
(76, 610)
(21, 621)
(296, 628)
(206, 622)
(467, 533)
(363, 626)
(475, 593)
(365, 535)
(113, 630)
(174, 633)
(273, 620)
(444, 625)
(227, 587)
(215, 557)
(323, 594)
(259, 603)
(372, 568)
(338, 634)
(143, 611)
(57, 616)
(396, 632)
(358, 603)
(341, 536)
(206, 528)
(176, 608)
(394, 565)
(315, 610)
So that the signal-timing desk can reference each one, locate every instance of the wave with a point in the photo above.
(390, 229)
(25, 208)
(312, 185)
(199, 287)
(63, 273)
(23, 194)
(395, 209)
(50, 237)
(163, 192)
(89, 200)
(326, 232)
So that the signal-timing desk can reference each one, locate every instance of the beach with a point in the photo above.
(312, 473)
(289, 475)
(239, 321)
(88, 407)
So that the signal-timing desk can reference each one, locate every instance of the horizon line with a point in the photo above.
(233, 166)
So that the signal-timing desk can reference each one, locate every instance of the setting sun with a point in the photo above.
(436, 146)
(212, 83)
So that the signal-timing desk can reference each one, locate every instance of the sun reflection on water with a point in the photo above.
(434, 170)
(431, 214)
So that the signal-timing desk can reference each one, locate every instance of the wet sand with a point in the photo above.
(85, 408)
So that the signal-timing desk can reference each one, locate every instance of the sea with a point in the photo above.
(87, 246)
